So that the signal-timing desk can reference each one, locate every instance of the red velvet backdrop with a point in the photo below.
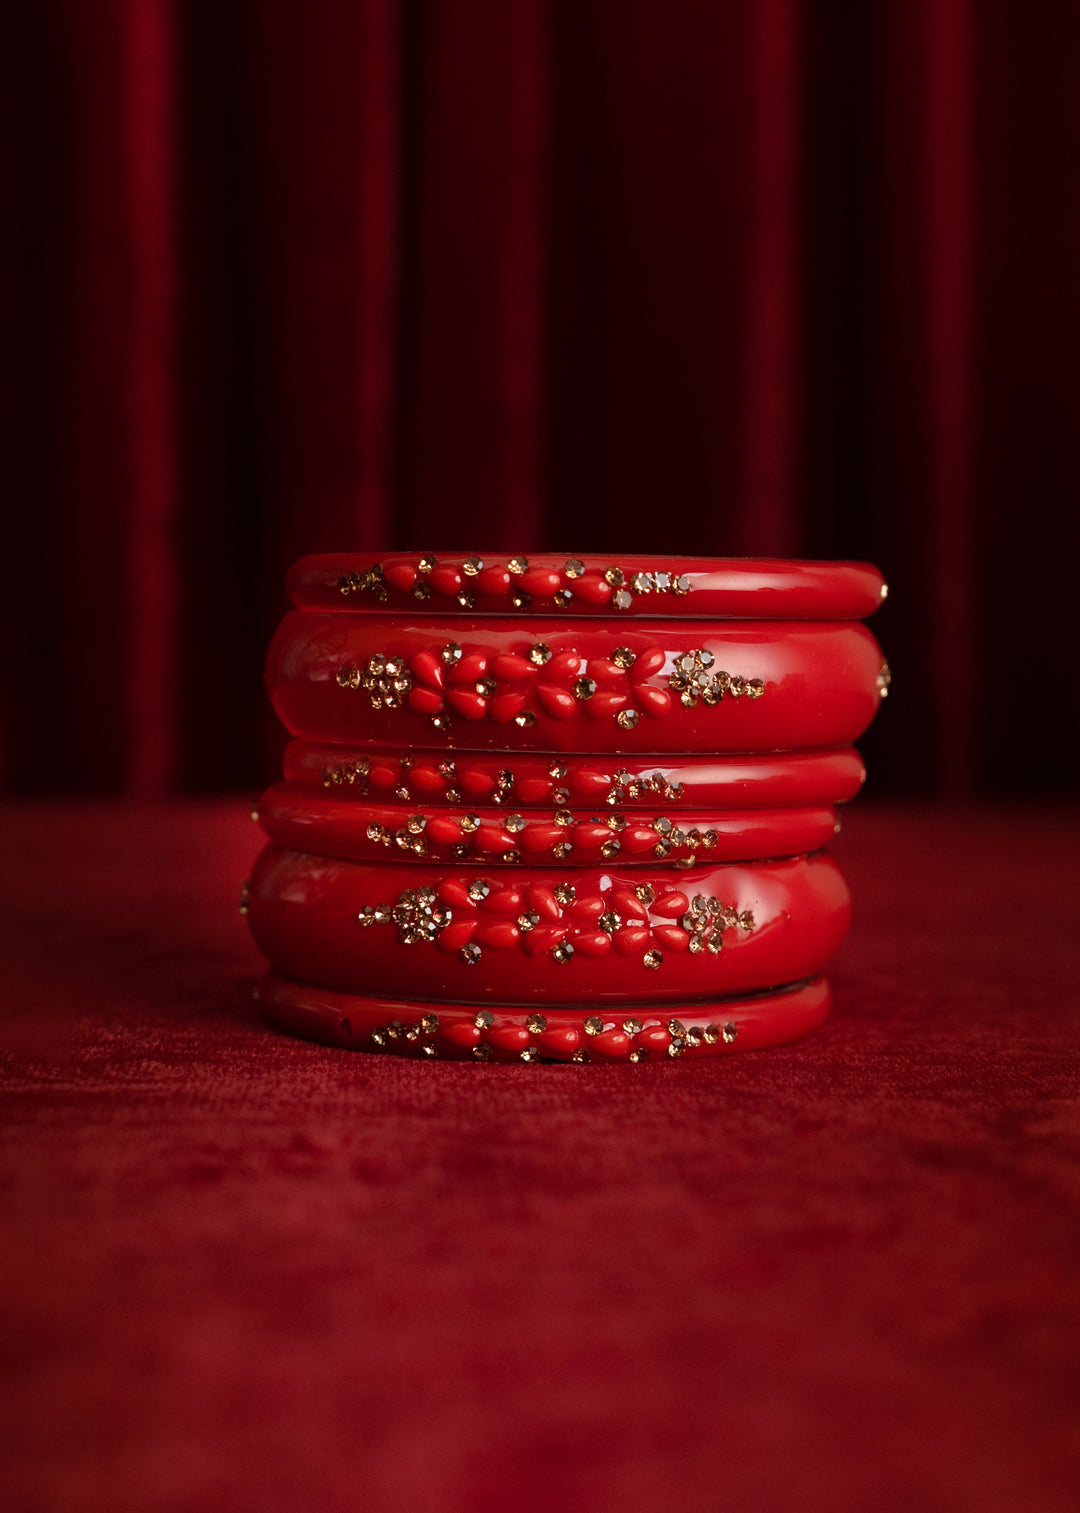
(749, 277)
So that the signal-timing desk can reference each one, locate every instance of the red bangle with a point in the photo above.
(416, 582)
(529, 780)
(546, 936)
(369, 831)
(412, 1027)
(596, 686)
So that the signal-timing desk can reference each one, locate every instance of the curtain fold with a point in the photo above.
(758, 277)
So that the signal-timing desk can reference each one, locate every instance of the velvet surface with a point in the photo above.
(245, 1272)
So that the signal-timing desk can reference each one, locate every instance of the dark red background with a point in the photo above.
(738, 277)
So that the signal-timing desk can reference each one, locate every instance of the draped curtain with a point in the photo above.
(723, 276)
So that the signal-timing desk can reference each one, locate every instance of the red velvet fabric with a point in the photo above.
(244, 1272)
(761, 276)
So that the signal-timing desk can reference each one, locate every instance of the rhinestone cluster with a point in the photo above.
(513, 687)
(470, 918)
(486, 1037)
(515, 581)
(450, 778)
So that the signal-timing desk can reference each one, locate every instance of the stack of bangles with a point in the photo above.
(554, 809)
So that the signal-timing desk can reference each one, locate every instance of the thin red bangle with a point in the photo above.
(545, 935)
(754, 686)
(412, 1027)
(764, 588)
(529, 780)
(370, 831)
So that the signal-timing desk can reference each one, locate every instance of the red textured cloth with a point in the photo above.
(245, 1272)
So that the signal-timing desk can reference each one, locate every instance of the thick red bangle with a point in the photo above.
(593, 935)
(412, 1027)
(594, 686)
(370, 831)
(494, 582)
(529, 780)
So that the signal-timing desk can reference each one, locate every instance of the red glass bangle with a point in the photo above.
(530, 780)
(593, 686)
(372, 831)
(413, 1027)
(495, 582)
(594, 935)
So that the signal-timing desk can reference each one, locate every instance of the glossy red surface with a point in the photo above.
(755, 588)
(368, 830)
(526, 780)
(304, 914)
(819, 683)
(457, 1032)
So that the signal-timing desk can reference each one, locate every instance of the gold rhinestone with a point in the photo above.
(429, 1023)
(610, 849)
(662, 581)
(563, 952)
(395, 1030)
(486, 688)
(676, 1048)
(562, 598)
(556, 770)
(566, 893)
(693, 1035)
(416, 823)
(471, 566)
(662, 849)
(622, 599)
(479, 889)
(653, 959)
(697, 943)
(530, 1053)
(451, 652)
(564, 817)
(641, 583)
(609, 922)
(645, 894)
(378, 1038)
(622, 656)
(593, 1026)
(639, 1053)
(731, 1029)
(528, 921)
(711, 1033)
(632, 1026)
(746, 920)
(514, 823)
(483, 1019)
(440, 722)
(521, 601)
(676, 1027)
(584, 688)
(470, 823)
(525, 720)
(481, 1053)
(562, 850)
(453, 795)
(466, 600)
(422, 591)
(578, 1056)
(518, 565)
(429, 1050)
(511, 856)
(681, 584)
(615, 822)
(561, 796)
(425, 565)
(574, 568)
(536, 1024)
(615, 577)
(683, 862)
(627, 718)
